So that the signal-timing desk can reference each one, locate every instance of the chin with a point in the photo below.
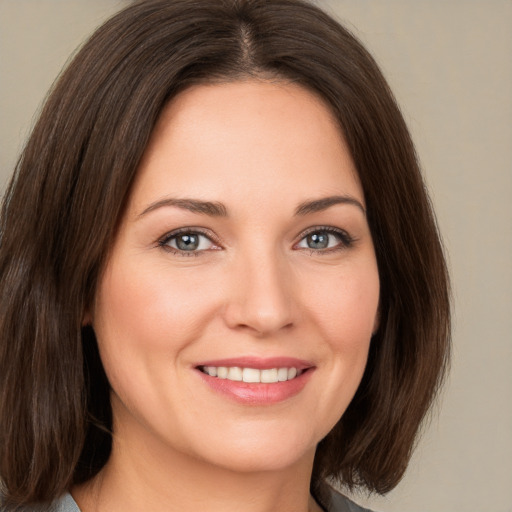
(259, 451)
(263, 460)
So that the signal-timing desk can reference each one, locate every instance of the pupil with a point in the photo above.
(187, 242)
(318, 240)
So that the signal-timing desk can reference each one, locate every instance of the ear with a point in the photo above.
(86, 318)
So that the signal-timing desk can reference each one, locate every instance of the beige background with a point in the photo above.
(450, 65)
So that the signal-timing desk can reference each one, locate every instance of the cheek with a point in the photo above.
(345, 305)
(144, 318)
(348, 329)
(152, 307)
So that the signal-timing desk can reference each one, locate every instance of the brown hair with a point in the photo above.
(72, 181)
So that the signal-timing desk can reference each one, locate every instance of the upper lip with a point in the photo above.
(259, 363)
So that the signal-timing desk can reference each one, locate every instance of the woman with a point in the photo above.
(222, 282)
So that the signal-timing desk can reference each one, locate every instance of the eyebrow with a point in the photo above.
(318, 205)
(213, 209)
(216, 209)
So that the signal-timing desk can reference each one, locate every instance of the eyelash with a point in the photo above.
(345, 240)
(163, 242)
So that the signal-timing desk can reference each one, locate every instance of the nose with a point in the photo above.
(261, 300)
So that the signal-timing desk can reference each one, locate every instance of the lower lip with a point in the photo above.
(258, 393)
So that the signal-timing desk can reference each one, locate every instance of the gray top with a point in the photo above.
(339, 503)
(66, 503)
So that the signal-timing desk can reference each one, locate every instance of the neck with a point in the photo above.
(150, 476)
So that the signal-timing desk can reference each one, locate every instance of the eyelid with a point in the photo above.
(164, 240)
(346, 240)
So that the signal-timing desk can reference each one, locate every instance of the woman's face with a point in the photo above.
(244, 253)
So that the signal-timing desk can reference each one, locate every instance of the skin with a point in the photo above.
(253, 288)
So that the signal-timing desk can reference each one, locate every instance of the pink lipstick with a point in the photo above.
(256, 381)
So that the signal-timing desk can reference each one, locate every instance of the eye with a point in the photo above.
(187, 241)
(321, 239)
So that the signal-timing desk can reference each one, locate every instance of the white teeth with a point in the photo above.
(211, 370)
(282, 374)
(235, 373)
(222, 372)
(252, 375)
(292, 372)
(269, 375)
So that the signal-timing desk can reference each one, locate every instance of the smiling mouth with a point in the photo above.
(252, 375)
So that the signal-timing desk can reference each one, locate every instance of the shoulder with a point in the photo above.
(64, 504)
(340, 503)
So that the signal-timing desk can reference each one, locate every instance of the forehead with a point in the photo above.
(246, 137)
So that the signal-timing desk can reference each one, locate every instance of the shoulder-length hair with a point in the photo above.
(69, 190)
